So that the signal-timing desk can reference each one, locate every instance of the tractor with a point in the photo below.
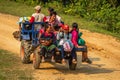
(30, 44)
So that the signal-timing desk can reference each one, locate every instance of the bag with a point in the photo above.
(23, 19)
(81, 42)
(68, 46)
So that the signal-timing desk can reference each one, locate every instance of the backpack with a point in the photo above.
(68, 46)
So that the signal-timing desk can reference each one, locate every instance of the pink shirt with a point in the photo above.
(74, 37)
(55, 22)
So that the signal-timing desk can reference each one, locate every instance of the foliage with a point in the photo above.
(102, 11)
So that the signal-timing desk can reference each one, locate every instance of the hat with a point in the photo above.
(65, 27)
(37, 8)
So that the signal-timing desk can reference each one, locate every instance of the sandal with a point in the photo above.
(87, 60)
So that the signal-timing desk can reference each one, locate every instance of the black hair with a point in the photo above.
(53, 13)
(75, 25)
(56, 27)
(50, 9)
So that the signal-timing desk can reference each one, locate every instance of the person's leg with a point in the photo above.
(52, 50)
(85, 56)
(53, 55)
(74, 55)
(62, 55)
(43, 51)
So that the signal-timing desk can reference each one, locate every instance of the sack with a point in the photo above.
(68, 46)
(23, 19)
(16, 35)
(81, 42)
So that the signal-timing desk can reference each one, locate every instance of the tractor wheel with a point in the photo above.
(25, 51)
(36, 59)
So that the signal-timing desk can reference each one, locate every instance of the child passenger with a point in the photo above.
(83, 48)
(63, 36)
(47, 42)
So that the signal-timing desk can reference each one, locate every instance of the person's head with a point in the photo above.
(54, 13)
(75, 25)
(50, 10)
(56, 28)
(65, 28)
(48, 28)
(53, 16)
(37, 9)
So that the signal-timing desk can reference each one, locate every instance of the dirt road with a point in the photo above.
(104, 51)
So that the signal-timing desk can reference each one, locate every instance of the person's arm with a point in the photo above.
(32, 19)
(45, 19)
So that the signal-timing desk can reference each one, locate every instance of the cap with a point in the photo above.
(37, 8)
(65, 27)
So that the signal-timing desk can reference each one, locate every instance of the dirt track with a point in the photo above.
(104, 51)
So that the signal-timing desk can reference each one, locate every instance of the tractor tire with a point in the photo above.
(25, 51)
(72, 66)
(36, 59)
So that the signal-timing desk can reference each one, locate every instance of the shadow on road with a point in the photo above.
(81, 68)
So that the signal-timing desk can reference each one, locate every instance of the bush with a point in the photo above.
(102, 11)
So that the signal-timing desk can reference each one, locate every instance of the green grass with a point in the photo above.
(9, 67)
(20, 9)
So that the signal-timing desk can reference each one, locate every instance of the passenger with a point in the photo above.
(51, 10)
(53, 21)
(83, 48)
(62, 37)
(47, 18)
(47, 42)
(37, 17)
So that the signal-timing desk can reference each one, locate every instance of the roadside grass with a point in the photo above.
(21, 9)
(9, 67)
